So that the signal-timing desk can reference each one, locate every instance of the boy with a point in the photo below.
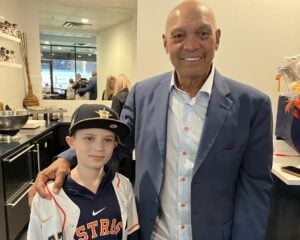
(95, 202)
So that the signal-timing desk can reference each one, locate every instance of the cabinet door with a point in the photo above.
(60, 134)
(17, 179)
(44, 152)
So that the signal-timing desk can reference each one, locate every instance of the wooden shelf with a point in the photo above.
(9, 37)
(13, 65)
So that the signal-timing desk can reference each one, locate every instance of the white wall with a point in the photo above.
(115, 47)
(12, 80)
(256, 35)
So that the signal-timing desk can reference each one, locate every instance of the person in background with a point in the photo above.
(203, 142)
(109, 89)
(80, 82)
(90, 87)
(121, 91)
(126, 164)
(95, 202)
(77, 81)
(46, 89)
(70, 90)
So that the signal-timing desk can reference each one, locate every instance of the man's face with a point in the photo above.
(191, 40)
(93, 147)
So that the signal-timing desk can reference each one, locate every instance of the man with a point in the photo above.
(203, 142)
(90, 87)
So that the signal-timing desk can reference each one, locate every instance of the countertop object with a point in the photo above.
(47, 112)
(285, 155)
(11, 122)
(32, 124)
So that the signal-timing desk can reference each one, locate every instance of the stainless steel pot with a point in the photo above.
(12, 121)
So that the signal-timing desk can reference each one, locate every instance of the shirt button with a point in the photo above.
(184, 153)
(185, 129)
(183, 205)
(182, 179)
(182, 227)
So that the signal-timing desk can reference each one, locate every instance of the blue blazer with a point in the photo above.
(232, 180)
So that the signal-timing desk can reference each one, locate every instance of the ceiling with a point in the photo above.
(101, 14)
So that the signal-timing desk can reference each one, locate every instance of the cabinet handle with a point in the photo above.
(38, 158)
(9, 160)
(13, 204)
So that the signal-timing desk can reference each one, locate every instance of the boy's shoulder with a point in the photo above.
(120, 178)
(121, 182)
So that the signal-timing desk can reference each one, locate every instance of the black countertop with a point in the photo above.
(25, 136)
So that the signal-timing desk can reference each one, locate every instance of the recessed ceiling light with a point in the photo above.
(84, 20)
(46, 42)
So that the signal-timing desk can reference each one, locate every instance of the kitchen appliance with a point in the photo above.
(18, 176)
(10, 124)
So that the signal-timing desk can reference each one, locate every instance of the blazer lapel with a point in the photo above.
(218, 108)
(161, 96)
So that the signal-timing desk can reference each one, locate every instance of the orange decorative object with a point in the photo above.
(290, 74)
(278, 78)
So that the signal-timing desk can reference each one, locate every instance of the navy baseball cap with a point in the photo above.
(98, 116)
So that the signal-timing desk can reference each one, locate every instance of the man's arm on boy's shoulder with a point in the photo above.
(68, 155)
(57, 171)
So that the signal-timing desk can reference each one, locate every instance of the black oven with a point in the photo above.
(18, 178)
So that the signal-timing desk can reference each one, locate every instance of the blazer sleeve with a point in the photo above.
(69, 155)
(253, 190)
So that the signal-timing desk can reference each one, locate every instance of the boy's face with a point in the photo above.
(93, 146)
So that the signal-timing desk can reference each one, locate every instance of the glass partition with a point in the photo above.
(61, 63)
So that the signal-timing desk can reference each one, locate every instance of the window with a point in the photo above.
(61, 63)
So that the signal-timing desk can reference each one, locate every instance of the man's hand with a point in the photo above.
(57, 171)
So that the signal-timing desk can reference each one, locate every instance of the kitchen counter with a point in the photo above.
(21, 158)
(26, 135)
(292, 159)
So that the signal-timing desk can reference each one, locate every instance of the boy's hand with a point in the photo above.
(57, 171)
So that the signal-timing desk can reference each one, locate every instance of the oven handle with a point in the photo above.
(10, 160)
(38, 157)
(13, 204)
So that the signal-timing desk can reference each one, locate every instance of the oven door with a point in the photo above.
(18, 178)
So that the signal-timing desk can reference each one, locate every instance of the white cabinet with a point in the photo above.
(14, 39)
(9, 37)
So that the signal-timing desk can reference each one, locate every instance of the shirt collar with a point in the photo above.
(207, 86)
